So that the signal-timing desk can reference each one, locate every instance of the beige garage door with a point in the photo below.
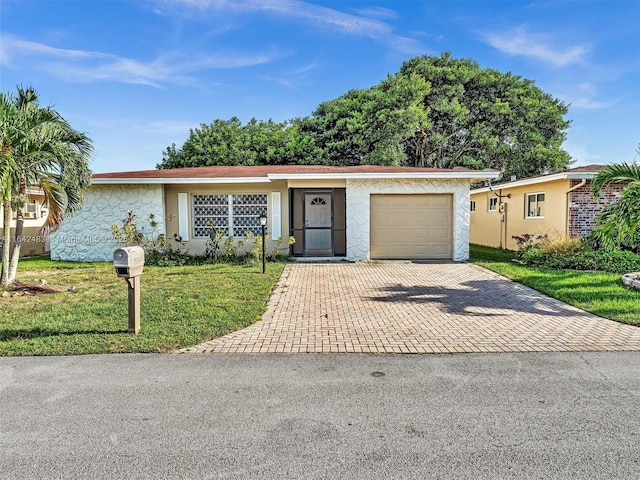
(412, 226)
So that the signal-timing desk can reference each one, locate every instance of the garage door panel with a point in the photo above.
(411, 226)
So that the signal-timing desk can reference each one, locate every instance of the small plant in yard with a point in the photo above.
(270, 254)
(128, 233)
(221, 247)
(559, 243)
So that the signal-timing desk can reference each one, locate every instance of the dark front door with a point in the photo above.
(318, 220)
(318, 223)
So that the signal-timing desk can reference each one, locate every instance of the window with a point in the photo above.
(493, 204)
(535, 205)
(472, 206)
(236, 214)
(30, 210)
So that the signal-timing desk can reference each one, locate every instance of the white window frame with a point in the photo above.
(492, 204)
(232, 217)
(526, 204)
(472, 205)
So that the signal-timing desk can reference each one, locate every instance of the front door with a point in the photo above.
(318, 223)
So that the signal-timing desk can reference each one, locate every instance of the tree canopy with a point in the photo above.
(229, 142)
(438, 112)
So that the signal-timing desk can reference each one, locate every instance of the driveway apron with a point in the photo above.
(415, 307)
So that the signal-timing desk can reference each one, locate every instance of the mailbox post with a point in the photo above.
(129, 262)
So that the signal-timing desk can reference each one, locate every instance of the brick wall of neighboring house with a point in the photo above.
(583, 209)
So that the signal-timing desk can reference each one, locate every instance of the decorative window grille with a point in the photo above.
(472, 206)
(246, 213)
(318, 201)
(209, 212)
(535, 205)
(236, 214)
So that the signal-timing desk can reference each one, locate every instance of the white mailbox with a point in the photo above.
(128, 261)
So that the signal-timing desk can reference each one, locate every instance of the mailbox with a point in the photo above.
(128, 261)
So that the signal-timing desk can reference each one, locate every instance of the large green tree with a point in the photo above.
(229, 142)
(443, 112)
(370, 126)
(39, 148)
(437, 112)
(483, 118)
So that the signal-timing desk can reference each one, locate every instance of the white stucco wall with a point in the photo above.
(358, 211)
(87, 235)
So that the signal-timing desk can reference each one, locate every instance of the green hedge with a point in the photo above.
(613, 262)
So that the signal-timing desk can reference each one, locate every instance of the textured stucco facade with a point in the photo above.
(87, 236)
(359, 210)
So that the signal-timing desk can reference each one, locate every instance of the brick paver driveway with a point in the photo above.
(408, 307)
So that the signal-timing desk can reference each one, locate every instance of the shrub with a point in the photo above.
(157, 250)
(617, 261)
(219, 248)
(558, 243)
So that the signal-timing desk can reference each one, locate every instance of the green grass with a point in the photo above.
(180, 307)
(600, 293)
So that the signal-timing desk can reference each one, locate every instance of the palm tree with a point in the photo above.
(39, 148)
(618, 224)
(615, 173)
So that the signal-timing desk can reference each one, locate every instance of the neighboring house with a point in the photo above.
(556, 203)
(34, 240)
(358, 213)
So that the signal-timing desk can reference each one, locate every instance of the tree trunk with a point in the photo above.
(17, 243)
(6, 236)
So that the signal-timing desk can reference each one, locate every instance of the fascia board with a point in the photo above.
(474, 176)
(174, 181)
(377, 176)
(537, 180)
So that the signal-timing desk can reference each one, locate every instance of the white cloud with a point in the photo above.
(284, 82)
(362, 25)
(584, 96)
(167, 127)
(579, 151)
(520, 42)
(379, 12)
(87, 66)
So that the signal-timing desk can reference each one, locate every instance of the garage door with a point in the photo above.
(411, 226)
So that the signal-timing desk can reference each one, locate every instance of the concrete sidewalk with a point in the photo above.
(409, 307)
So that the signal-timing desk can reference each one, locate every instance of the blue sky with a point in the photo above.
(135, 75)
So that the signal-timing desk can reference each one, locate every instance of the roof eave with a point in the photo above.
(536, 180)
(174, 181)
(471, 175)
(453, 175)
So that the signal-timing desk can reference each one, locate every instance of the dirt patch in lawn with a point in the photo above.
(19, 289)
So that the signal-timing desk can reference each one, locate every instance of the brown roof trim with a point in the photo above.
(264, 171)
(267, 173)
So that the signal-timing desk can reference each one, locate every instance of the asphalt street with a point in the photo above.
(343, 416)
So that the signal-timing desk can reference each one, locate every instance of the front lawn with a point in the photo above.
(600, 293)
(180, 307)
